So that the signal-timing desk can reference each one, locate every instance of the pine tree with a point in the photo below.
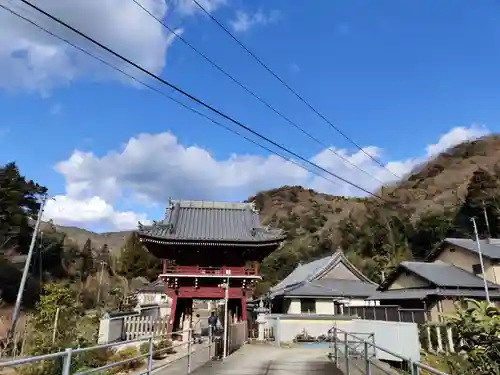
(19, 202)
(86, 261)
(483, 192)
(136, 261)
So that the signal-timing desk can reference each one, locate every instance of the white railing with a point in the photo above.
(140, 326)
(131, 327)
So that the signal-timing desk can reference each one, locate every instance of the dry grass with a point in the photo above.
(442, 182)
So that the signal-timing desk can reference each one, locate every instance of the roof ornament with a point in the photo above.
(140, 226)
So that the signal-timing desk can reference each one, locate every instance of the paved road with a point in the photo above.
(264, 360)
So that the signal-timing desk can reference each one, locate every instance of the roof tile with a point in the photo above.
(211, 221)
(445, 275)
(489, 248)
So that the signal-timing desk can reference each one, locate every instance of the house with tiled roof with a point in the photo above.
(323, 286)
(463, 253)
(433, 286)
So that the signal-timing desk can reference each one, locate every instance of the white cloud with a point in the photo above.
(68, 211)
(189, 7)
(244, 21)
(150, 168)
(32, 60)
(456, 136)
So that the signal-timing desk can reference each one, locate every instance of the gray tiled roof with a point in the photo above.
(313, 270)
(445, 275)
(303, 272)
(306, 280)
(489, 248)
(211, 221)
(419, 293)
(331, 288)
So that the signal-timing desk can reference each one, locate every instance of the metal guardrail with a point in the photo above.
(360, 353)
(67, 355)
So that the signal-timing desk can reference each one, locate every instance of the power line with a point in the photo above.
(220, 69)
(164, 94)
(291, 89)
(198, 101)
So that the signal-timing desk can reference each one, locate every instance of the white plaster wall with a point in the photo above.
(152, 298)
(358, 302)
(294, 307)
(324, 307)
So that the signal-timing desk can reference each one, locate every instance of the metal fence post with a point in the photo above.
(66, 368)
(413, 367)
(367, 359)
(210, 340)
(150, 355)
(335, 346)
(346, 352)
(190, 339)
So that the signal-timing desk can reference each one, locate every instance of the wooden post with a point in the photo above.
(173, 309)
(439, 339)
(243, 308)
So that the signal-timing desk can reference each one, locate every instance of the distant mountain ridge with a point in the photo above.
(114, 240)
(312, 219)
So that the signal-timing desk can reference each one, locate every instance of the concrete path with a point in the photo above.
(264, 360)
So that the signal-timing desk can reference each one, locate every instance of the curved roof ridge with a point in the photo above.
(339, 256)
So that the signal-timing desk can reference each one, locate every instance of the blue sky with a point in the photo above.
(396, 76)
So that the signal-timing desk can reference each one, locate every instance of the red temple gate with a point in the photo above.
(206, 246)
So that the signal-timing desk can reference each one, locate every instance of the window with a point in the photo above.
(476, 269)
(307, 305)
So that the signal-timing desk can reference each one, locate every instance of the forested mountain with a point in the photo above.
(434, 201)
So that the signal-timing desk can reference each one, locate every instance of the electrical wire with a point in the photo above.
(256, 58)
(220, 69)
(198, 101)
(163, 94)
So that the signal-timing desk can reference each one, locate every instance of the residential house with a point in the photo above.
(322, 287)
(463, 253)
(433, 286)
(153, 293)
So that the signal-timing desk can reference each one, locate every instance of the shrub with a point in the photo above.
(478, 329)
(126, 353)
(96, 358)
(160, 348)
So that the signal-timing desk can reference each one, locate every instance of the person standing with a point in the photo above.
(212, 322)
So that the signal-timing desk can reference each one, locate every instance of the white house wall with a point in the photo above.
(146, 298)
(324, 306)
(358, 302)
(294, 306)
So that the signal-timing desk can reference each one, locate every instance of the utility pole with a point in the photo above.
(486, 220)
(486, 291)
(100, 283)
(226, 313)
(20, 292)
